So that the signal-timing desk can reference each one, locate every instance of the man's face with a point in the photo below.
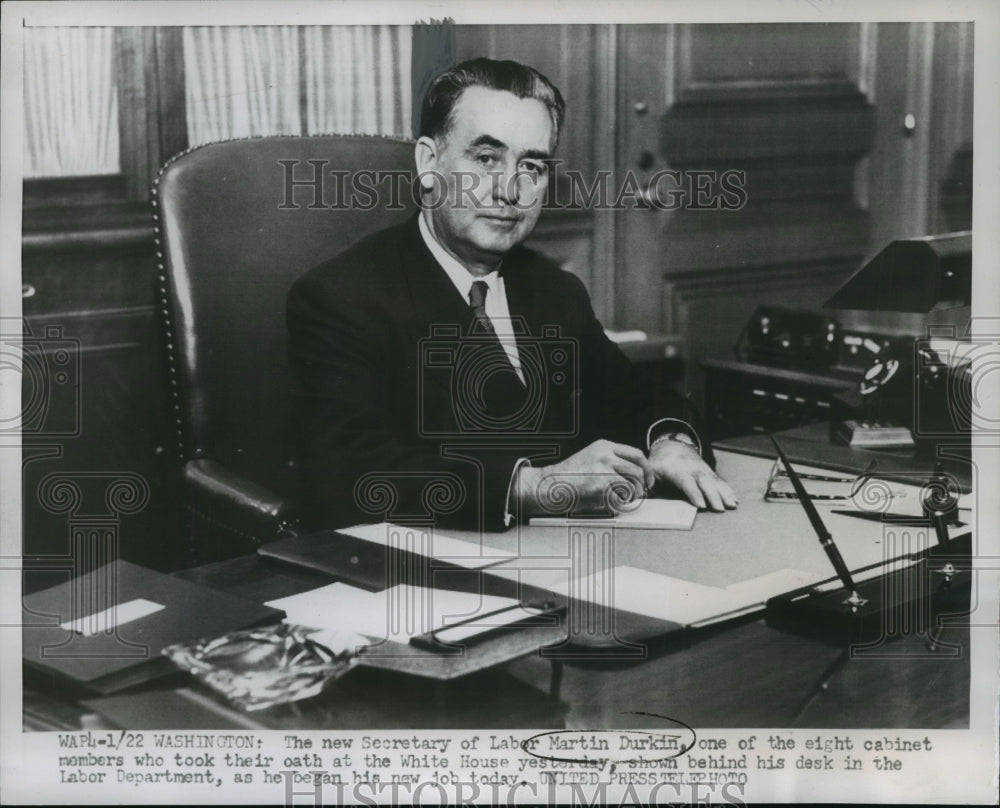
(492, 162)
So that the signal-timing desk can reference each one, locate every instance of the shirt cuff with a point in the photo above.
(664, 425)
(508, 516)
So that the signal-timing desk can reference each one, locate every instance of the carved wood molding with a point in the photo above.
(745, 287)
(736, 281)
(719, 125)
(714, 242)
(827, 72)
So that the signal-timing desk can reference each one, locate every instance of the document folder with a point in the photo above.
(87, 632)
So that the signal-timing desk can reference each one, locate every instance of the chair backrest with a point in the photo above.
(238, 222)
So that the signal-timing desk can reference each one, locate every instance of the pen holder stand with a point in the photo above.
(900, 602)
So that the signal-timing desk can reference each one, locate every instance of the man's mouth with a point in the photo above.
(501, 219)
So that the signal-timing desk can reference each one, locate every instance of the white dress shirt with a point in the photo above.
(496, 297)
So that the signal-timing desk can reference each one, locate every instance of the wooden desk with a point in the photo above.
(742, 674)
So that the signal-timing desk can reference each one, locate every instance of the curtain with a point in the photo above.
(243, 81)
(357, 79)
(70, 102)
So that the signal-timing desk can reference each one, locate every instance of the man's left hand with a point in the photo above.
(680, 465)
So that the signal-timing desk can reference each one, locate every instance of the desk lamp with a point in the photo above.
(915, 275)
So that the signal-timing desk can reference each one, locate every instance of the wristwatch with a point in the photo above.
(680, 437)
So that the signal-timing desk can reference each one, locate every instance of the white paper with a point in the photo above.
(648, 593)
(431, 544)
(107, 619)
(678, 600)
(399, 613)
(662, 514)
(650, 514)
(763, 587)
(338, 607)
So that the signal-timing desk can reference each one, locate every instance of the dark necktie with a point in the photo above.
(477, 299)
(502, 391)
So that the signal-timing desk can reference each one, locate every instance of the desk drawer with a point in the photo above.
(77, 282)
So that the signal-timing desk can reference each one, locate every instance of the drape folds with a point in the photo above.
(242, 81)
(70, 102)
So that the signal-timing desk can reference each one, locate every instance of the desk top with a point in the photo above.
(739, 674)
(743, 674)
(756, 539)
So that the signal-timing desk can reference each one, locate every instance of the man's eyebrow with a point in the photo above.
(537, 154)
(489, 140)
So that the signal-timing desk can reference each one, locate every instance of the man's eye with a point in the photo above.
(486, 159)
(534, 169)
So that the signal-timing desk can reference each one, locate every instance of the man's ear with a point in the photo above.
(425, 156)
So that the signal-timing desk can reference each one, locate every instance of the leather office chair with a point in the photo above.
(233, 232)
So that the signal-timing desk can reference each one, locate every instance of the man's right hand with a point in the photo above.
(604, 475)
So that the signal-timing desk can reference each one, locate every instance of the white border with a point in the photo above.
(973, 775)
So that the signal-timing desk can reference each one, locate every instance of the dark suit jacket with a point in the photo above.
(387, 363)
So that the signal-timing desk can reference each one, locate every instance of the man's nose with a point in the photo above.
(506, 185)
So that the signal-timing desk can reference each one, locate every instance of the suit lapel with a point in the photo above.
(436, 302)
(433, 297)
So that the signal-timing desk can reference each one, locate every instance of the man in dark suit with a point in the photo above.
(444, 371)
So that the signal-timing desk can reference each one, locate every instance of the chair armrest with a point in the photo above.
(247, 513)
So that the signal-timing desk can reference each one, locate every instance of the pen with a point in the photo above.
(825, 538)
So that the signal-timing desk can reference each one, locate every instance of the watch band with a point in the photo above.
(679, 437)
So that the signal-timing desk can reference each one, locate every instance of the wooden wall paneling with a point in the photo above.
(133, 51)
(774, 101)
(152, 120)
(950, 190)
(568, 240)
(606, 129)
(917, 180)
(713, 307)
(768, 59)
(646, 64)
(138, 118)
(563, 53)
(568, 55)
(897, 181)
(783, 104)
(171, 102)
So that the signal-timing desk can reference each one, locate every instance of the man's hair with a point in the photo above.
(437, 112)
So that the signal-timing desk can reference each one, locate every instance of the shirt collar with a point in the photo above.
(460, 276)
